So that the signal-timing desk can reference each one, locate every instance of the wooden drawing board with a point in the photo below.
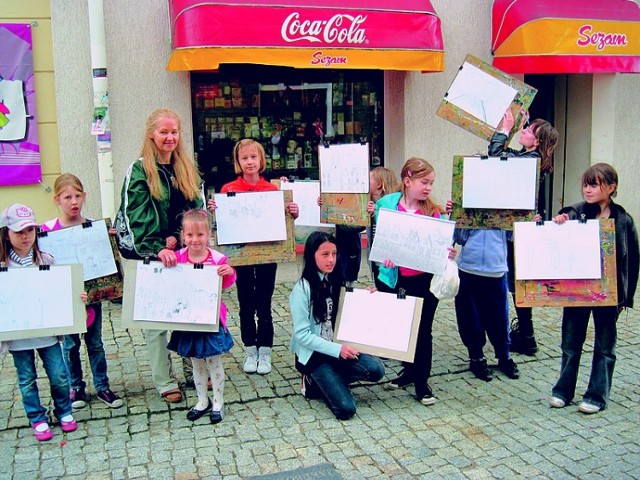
(577, 293)
(487, 218)
(177, 298)
(379, 323)
(345, 209)
(262, 252)
(480, 94)
(38, 303)
(80, 244)
(344, 168)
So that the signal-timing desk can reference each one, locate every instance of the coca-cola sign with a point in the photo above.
(339, 29)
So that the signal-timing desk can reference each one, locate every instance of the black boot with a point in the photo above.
(480, 369)
(522, 341)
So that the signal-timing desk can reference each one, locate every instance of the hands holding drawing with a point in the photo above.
(348, 353)
(293, 209)
(167, 257)
(211, 205)
(560, 219)
(225, 269)
(371, 207)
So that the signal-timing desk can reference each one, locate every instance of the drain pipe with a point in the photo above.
(100, 125)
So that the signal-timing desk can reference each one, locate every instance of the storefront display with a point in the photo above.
(291, 112)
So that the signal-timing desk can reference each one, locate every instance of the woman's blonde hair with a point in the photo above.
(387, 179)
(188, 179)
(248, 142)
(417, 168)
(67, 180)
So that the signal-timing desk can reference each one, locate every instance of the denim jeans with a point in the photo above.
(332, 377)
(574, 331)
(25, 363)
(255, 285)
(481, 312)
(95, 351)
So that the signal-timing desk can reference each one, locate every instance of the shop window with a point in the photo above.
(292, 112)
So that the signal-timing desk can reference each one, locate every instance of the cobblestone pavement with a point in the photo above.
(502, 429)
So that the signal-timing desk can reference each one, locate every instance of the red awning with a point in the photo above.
(366, 34)
(566, 36)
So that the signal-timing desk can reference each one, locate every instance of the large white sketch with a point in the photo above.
(178, 295)
(557, 252)
(379, 320)
(305, 194)
(344, 168)
(250, 217)
(412, 241)
(491, 182)
(88, 246)
(480, 94)
(36, 303)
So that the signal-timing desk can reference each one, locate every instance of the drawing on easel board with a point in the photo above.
(363, 323)
(412, 241)
(344, 168)
(572, 291)
(305, 194)
(498, 215)
(178, 298)
(250, 217)
(479, 96)
(37, 303)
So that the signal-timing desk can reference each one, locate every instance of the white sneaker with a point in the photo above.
(264, 360)
(251, 359)
(588, 408)
(556, 402)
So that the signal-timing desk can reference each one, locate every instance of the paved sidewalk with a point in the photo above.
(502, 429)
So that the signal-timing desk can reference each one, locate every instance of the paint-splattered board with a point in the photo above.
(345, 209)
(577, 293)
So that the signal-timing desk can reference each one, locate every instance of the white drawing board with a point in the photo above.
(38, 303)
(480, 94)
(344, 168)
(379, 323)
(250, 217)
(177, 298)
(562, 252)
(500, 183)
(305, 194)
(413, 241)
(89, 246)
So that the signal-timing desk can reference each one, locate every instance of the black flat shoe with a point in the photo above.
(216, 416)
(194, 414)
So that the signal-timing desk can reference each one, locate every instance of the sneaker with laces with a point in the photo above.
(425, 396)
(404, 379)
(588, 408)
(111, 399)
(264, 360)
(556, 402)
(250, 360)
(480, 369)
(509, 368)
(78, 398)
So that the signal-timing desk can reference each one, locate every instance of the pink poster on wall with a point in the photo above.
(19, 146)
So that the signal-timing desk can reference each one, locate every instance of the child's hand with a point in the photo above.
(452, 253)
(84, 297)
(371, 207)
(167, 257)
(348, 353)
(560, 219)
(537, 217)
(112, 231)
(224, 270)
(284, 179)
(448, 207)
(293, 209)
(372, 289)
(171, 243)
(388, 263)
(211, 205)
(319, 201)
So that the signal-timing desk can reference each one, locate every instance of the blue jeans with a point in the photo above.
(574, 331)
(95, 350)
(25, 363)
(481, 312)
(332, 377)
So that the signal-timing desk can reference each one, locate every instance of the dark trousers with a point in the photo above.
(255, 285)
(574, 331)
(524, 314)
(481, 311)
(349, 246)
(420, 370)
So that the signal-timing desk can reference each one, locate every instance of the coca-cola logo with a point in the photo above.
(600, 39)
(341, 28)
